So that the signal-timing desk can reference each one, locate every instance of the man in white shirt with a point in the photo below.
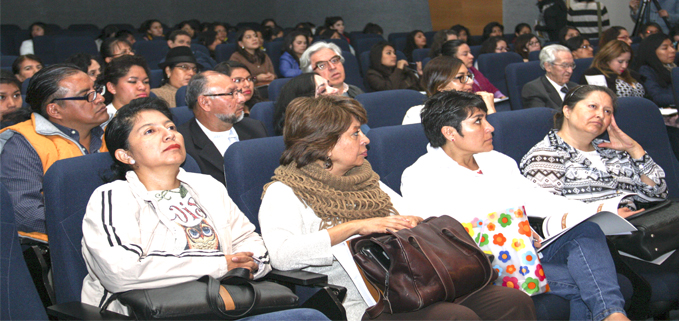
(549, 90)
(219, 121)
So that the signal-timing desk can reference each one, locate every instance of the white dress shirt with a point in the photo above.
(222, 140)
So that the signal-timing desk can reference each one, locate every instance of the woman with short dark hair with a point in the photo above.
(294, 45)
(615, 33)
(493, 29)
(126, 78)
(26, 66)
(152, 29)
(525, 44)
(89, 64)
(580, 47)
(386, 72)
(240, 74)
(494, 45)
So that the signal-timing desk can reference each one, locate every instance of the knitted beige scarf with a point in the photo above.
(336, 199)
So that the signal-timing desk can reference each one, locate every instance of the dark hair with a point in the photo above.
(439, 38)
(564, 31)
(650, 24)
(83, 61)
(673, 32)
(258, 57)
(109, 44)
(193, 24)
(330, 21)
(612, 50)
(521, 43)
(118, 130)
(226, 67)
(438, 72)
(195, 88)
(268, 33)
(7, 77)
(520, 26)
(578, 93)
(39, 24)
(488, 29)
(267, 20)
(328, 33)
(303, 85)
(459, 28)
(45, 86)
(648, 57)
(124, 34)
(372, 28)
(610, 34)
(20, 114)
(290, 39)
(118, 68)
(146, 26)
(314, 125)
(410, 44)
(450, 47)
(448, 108)
(16, 65)
(490, 44)
(109, 31)
(376, 58)
(173, 35)
(206, 38)
(575, 43)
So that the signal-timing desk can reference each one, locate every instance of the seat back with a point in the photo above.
(517, 75)
(263, 111)
(156, 78)
(7, 61)
(354, 36)
(248, 165)
(475, 51)
(152, 51)
(224, 51)
(580, 66)
(343, 44)
(43, 47)
(68, 185)
(275, 87)
(534, 124)
(387, 108)
(19, 299)
(196, 47)
(181, 115)
(180, 96)
(393, 149)
(492, 66)
(273, 50)
(364, 44)
(641, 119)
(534, 55)
(675, 85)
(420, 54)
(352, 73)
(396, 35)
(399, 43)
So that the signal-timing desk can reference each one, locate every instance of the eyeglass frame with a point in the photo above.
(128, 53)
(469, 76)
(94, 94)
(232, 94)
(238, 80)
(316, 65)
(574, 65)
(186, 68)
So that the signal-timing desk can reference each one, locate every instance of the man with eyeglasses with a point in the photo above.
(219, 121)
(549, 90)
(67, 113)
(325, 59)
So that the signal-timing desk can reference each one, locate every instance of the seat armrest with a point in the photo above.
(297, 277)
(82, 311)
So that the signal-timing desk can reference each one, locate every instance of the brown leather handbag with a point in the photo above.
(413, 268)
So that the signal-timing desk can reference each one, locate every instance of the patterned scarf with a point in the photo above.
(336, 199)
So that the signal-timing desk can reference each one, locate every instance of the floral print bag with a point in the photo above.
(507, 235)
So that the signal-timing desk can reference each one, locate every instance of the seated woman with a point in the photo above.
(526, 44)
(611, 66)
(190, 26)
(580, 47)
(210, 39)
(302, 220)
(337, 23)
(152, 29)
(521, 29)
(461, 174)
(440, 37)
(294, 45)
(566, 33)
(304, 85)
(11, 111)
(87, 63)
(615, 33)
(460, 50)
(126, 78)
(210, 236)
(415, 40)
(37, 29)
(446, 73)
(114, 48)
(386, 72)
(494, 45)
(240, 74)
(249, 53)
(462, 33)
(493, 29)
(26, 66)
(178, 68)
(655, 62)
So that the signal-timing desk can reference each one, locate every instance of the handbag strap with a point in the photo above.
(240, 276)
(437, 264)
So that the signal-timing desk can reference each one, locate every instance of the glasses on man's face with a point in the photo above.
(239, 80)
(565, 66)
(324, 64)
(230, 95)
(465, 78)
(89, 97)
(188, 68)
(124, 53)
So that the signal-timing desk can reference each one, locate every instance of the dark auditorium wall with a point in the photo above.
(389, 14)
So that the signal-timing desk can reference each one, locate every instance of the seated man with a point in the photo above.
(549, 90)
(66, 119)
(325, 59)
(218, 121)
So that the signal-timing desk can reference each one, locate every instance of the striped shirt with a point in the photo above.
(583, 15)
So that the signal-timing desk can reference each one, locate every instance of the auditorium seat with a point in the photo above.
(534, 55)
(517, 75)
(475, 51)
(55, 49)
(152, 51)
(224, 51)
(580, 66)
(430, 37)
(273, 50)
(263, 111)
(364, 44)
(156, 77)
(341, 43)
(181, 115)
(355, 35)
(352, 72)
(180, 96)
(492, 66)
(399, 43)
(276, 86)
(420, 54)
(388, 107)
(395, 35)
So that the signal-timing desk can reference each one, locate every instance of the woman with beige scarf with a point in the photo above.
(325, 192)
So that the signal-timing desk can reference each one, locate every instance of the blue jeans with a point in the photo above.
(294, 314)
(579, 268)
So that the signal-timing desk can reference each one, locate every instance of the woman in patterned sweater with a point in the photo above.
(611, 65)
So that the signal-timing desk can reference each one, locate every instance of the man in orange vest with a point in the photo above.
(66, 122)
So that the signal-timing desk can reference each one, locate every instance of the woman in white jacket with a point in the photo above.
(159, 225)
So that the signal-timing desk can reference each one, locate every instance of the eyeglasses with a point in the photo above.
(187, 68)
(124, 53)
(239, 80)
(89, 97)
(502, 49)
(465, 78)
(533, 43)
(565, 66)
(334, 61)
(230, 95)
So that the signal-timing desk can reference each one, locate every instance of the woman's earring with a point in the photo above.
(242, 47)
(328, 162)
(132, 161)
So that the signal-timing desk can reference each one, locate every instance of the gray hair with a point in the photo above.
(195, 88)
(548, 54)
(305, 60)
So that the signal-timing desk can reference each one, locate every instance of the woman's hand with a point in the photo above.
(625, 211)
(242, 260)
(620, 141)
(418, 65)
(537, 240)
(401, 64)
(382, 224)
(489, 99)
(265, 77)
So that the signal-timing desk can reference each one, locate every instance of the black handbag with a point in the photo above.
(657, 232)
(200, 299)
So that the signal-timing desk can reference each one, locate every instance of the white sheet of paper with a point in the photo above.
(657, 261)
(599, 80)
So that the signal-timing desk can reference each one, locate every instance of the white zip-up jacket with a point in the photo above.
(128, 245)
